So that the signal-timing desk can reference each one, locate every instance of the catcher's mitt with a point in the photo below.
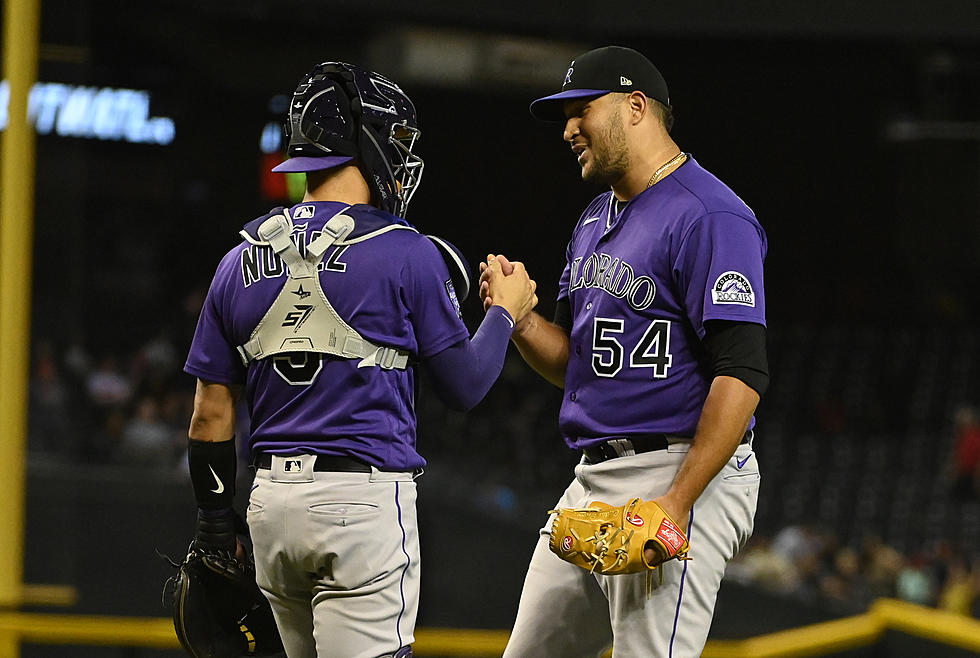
(218, 610)
(610, 540)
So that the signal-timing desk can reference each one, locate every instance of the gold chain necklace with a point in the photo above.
(656, 175)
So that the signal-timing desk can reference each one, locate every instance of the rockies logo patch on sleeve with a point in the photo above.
(733, 288)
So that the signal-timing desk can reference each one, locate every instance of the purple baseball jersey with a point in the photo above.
(641, 279)
(394, 289)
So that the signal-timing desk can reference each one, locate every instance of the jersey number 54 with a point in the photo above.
(651, 351)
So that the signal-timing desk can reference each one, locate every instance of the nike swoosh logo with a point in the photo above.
(741, 462)
(221, 485)
(590, 220)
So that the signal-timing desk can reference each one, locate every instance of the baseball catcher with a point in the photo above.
(324, 343)
(218, 610)
(635, 537)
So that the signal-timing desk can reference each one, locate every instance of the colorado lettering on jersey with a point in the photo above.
(260, 262)
(614, 276)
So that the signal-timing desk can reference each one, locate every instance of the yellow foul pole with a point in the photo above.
(20, 51)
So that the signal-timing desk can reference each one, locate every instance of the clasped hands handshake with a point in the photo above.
(507, 284)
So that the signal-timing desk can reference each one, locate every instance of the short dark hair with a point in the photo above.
(315, 178)
(664, 112)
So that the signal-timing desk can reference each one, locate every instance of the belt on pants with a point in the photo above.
(328, 463)
(634, 446)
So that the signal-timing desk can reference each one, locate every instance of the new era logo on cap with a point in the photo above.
(623, 80)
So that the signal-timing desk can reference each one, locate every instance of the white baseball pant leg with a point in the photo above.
(562, 607)
(337, 555)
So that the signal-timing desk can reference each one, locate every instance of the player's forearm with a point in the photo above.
(463, 373)
(214, 412)
(212, 464)
(724, 419)
(544, 346)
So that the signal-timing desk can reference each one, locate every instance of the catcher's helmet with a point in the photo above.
(342, 112)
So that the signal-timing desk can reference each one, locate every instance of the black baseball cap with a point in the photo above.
(601, 71)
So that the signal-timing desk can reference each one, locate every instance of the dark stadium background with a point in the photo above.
(853, 132)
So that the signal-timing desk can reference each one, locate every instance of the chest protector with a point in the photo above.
(301, 319)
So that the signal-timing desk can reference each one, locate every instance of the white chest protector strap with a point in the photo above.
(301, 319)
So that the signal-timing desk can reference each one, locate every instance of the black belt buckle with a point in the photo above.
(625, 447)
(613, 448)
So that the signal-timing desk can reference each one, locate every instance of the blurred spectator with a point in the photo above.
(882, 564)
(913, 583)
(966, 455)
(759, 565)
(801, 546)
(147, 439)
(106, 440)
(50, 429)
(77, 359)
(107, 386)
(843, 585)
(161, 355)
(155, 366)
(960, 590)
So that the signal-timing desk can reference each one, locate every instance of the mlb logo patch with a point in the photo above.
(292, 468)
(451, 291)
(303, 212)
(733, 288)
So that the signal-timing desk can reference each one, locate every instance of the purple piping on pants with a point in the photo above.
(680, 593)
(408, 561)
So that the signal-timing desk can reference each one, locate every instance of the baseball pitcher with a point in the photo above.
(658, 341)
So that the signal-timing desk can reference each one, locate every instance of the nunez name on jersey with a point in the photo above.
(260, 262)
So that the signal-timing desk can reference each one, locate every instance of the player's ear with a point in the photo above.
(639, 106)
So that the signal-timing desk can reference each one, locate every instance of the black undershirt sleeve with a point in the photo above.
(738, 349)
(563, 315)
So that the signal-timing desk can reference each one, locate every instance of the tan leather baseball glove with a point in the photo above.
(610, 540)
